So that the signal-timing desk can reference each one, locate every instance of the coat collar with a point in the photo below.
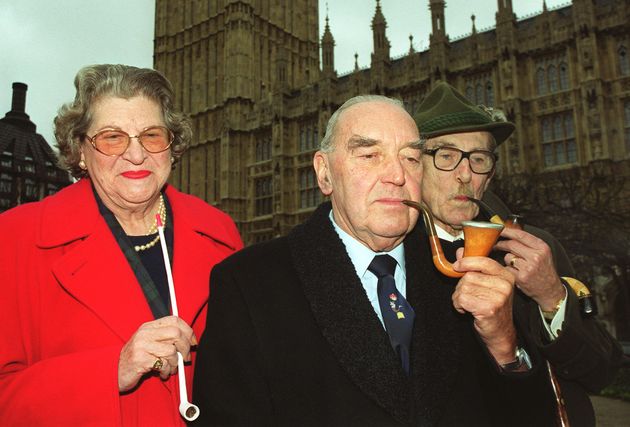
(69, 215)
(63, 208)
(94, 270)
(357, 338)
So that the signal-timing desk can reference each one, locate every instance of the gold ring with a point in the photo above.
(157, 365)
(513, 262)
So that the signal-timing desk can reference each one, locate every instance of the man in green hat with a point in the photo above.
(459, 143)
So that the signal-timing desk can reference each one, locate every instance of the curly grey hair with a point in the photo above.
(95, 82)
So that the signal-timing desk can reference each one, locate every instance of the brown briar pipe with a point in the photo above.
(588, 306)
(480, 237)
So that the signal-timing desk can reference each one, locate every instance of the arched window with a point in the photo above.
(479, 94)
(489, 94)
(557, 127)
(571, 151)
(552, 78)
(309, 190)
(469, 94)
(263, 149)
(568, 125)
(624, 63)
(558, 139)
(546, 130)
(541, 82)
(564, 76)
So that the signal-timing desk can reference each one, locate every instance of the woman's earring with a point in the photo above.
(82, 164)
(172, 159)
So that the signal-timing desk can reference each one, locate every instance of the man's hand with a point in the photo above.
(486, 292)
(530, 260)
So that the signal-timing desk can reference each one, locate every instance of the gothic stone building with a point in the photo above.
(249, 74)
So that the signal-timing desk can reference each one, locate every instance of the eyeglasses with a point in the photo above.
(114, 142)
(448, 158)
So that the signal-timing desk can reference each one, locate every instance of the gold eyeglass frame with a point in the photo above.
(93, 137)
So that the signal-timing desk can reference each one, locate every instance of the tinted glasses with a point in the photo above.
(114, 142)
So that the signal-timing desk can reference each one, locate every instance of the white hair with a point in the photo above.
(327, 143)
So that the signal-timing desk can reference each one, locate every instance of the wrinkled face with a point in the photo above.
(134, 178)
(375, 164)
(443, 191)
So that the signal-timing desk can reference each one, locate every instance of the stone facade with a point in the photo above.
(248, 72)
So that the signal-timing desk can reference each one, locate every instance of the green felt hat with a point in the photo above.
(445, 111)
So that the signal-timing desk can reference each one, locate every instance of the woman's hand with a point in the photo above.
(158, 339)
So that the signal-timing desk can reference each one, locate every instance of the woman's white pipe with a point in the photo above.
(188, 410)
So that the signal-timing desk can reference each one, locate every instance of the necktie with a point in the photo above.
(397, 314)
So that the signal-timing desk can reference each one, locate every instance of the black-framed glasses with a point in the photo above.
(448, 158)
(114, 142)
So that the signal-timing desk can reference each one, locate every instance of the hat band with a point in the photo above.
(447, 121)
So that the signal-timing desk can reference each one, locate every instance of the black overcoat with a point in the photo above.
(292, 340)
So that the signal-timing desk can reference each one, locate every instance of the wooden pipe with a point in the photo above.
(479, 239)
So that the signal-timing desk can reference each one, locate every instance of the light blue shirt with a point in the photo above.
(361, 257)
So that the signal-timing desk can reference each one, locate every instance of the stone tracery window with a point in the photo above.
(263, 195)
(558, 139)
(310, 196)
(541, 81)
(564, 76)
(480, 90)
(309, 136)
(552, 75)
(263, 149)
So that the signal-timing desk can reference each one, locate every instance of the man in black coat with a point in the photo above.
(300, 332)
(459, 141)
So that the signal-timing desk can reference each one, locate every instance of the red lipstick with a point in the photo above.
(136, 174)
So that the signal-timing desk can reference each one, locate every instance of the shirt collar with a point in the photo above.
(442, 234)
(360, 255)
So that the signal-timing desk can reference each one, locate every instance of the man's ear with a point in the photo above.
(320, 163)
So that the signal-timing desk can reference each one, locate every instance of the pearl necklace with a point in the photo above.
(153, 229)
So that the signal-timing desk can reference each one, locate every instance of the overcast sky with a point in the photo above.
(43, 43)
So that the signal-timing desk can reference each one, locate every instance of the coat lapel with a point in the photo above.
(345, 315)
(198, 246)
(93, 269)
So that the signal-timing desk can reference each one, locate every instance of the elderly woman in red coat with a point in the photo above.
(87, 334)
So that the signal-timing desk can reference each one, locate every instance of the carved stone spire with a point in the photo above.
(328, 49)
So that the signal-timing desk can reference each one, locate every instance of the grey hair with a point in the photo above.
(327, 143)
(96, 82)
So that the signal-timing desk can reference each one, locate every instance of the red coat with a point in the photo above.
(69, 301)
